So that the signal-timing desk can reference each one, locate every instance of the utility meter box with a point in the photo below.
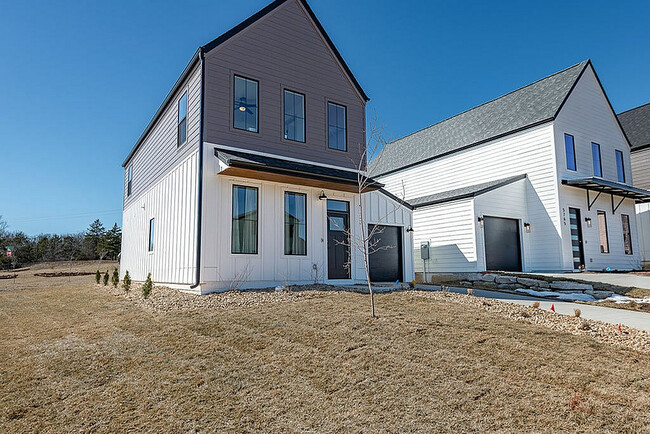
(424, 250)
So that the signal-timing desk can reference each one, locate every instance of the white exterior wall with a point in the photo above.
(587, 117)
(643, 228)
(172, 202)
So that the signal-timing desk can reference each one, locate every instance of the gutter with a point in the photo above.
(199, 211)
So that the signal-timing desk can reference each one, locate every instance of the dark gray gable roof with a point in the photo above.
(636, 124)
(531, 105)
(463, 192)
(223, 38)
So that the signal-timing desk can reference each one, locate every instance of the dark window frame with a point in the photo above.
(257, 221)
(595, 145)
(566, 155)
(129, 180)
(327, 121)
(257, 107)
(629, 233)
(181, 124)
(284, 223)
(618, 174)
(304, 115)
(152, 234)
(604, 214)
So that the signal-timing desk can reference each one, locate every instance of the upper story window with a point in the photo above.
(245, 104)
(620, 167)
(337, 124)
(129, 179)
(244, 219)
(182, 120)
(294, 116)
(152, 226)
(598, 166)
(295, 223)
(602, 232)
(570, 149)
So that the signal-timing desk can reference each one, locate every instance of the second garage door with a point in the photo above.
(386, 264)
(502, 245)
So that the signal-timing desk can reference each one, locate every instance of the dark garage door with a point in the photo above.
(502, 248)
(386, 264)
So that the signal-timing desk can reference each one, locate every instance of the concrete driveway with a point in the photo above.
(619, 279)
(630, 318)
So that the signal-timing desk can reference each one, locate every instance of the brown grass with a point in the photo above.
(75, 358)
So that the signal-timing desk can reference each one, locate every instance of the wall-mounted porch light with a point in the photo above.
(480, 221)
(588, 221)
(527, 227)
(322, 196)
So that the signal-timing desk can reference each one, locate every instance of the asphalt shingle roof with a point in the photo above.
(636, 124)
(531, 105)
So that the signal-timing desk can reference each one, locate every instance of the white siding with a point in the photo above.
(172, 202)
(643, 228)
(641, 168)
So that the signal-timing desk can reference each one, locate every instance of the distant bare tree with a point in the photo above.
(3, 227)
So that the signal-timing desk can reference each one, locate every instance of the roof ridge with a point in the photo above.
(493, 99)
(634, 108)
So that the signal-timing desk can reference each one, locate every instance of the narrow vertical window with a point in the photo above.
(337, 125)
(602, 232)
(570, 149)
(152, 224)
(295, 224)
(627, 234)
(595, 154)
(620, 167)
(294, 116)
(244, 219)
(129, 179)
(181, 128)
(245, 104)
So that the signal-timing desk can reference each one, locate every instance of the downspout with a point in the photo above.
(199, 210)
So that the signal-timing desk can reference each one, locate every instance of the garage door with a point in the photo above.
(386, 263)
(502, 248)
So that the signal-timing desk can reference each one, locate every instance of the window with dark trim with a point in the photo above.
(245, 105)
(602, 232)
(244, 219)
(627, 234)
(152, 224)
(129, 179)
(295, 223)
(595, 154)
(181, 136)
(294, 116)
(337, 127)
(620, 167)
(570, 149)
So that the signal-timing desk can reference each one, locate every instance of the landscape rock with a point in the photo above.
(474, 277)
(600, 295)
(505, 279)
(489, 277)
(566, 285)
(507, 286)
(532, 283)
(466, 283)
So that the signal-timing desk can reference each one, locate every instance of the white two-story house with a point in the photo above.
(247, 175)
(535, 180)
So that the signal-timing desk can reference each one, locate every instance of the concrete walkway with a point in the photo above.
(630, 318)
(619, 279)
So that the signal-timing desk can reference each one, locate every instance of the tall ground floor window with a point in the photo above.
(602, 231)
(627, 235)
(295, 223)
(244, 219)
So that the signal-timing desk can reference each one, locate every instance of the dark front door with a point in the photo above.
(338, 246)
(576, 238)
(385, 262)
(502, 247)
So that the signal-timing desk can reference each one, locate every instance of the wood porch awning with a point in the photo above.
(599, 186)
(266, 168)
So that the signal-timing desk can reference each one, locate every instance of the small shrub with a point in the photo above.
(115, 279)
(106, 278)
(126, 282)
(576, 313)
(536, 304)
(98, 277)
(412, 284)
(470, 291)
(147, 287)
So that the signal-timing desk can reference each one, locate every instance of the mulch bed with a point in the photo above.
(64, 274)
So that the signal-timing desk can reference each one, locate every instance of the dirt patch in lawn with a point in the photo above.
(632, 305)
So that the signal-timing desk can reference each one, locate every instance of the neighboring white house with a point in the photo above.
(636, 124)
(246, 175)
(536, 180)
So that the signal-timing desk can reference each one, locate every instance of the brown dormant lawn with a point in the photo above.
(75, 357)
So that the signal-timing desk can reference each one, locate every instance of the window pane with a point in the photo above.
(337, 205)
(294, 116)
(245, 104)
(337, 224)
(244, 220)
(182, 107)
(152, 224)
(333, 139)
(620, 168)
(595, 152)
(295, 224)
(627, 236)
(570, 152)
(336, 124)
(602, 232)
(182, 132)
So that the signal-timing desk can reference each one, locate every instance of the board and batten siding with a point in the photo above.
(529, 152)
(283, 50)
(159, 153)
(172, 202)
(640, 161)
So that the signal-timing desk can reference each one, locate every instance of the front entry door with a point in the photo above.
(338, 248)
(576, 238)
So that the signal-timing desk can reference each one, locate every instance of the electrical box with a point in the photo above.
(424, 250)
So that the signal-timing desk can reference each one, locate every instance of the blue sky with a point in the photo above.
(81, 79)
